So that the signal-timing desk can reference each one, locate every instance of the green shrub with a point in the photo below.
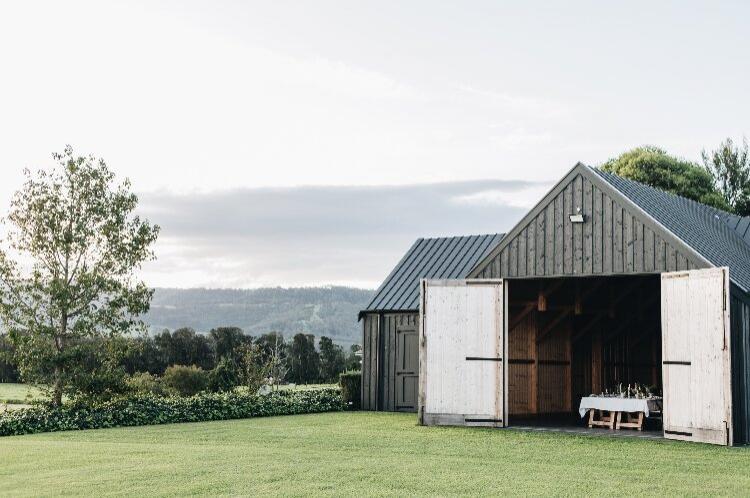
(147, 409)
(224, 377)
(351, 389)
(185, 381)
(145, 383)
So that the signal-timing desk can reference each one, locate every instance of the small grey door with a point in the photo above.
(407, 369)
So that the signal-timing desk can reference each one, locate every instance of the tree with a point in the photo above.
(186, 347)
(227, 342)
(729, 166)
(254, 369)
(353, 361)
(78, 231)
(273, 352)
(225, 376)
(332, 360)
(653, 166)
(304, 362)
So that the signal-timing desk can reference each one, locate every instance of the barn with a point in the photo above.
(605, 282)
(390, 361)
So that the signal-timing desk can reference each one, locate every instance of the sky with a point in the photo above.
(310, 143)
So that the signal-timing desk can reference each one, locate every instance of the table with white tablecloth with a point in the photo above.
(617, 406)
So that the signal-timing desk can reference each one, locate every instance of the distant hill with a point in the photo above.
(330, 311)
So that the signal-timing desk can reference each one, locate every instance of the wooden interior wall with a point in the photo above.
(522, 366)
(569, 338)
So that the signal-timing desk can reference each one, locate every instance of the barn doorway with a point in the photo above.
(572, 337)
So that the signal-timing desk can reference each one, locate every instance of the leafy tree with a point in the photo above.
(273, 351)
(77, 229)
(8, 367)
(653, 166)
(185, 380)
(185, 347)
(143, 355)
(227, 342)
(225, 376)
(332, 360)
(255, 369)
(353, 361)
(98, 373)
(729, 166)
(304, 361)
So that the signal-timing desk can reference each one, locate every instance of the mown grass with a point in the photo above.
(12, 393)
(359, 454)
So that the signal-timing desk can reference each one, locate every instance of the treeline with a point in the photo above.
(298, 360)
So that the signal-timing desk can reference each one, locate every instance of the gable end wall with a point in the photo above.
(614, 239)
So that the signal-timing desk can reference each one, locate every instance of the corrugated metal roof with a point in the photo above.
(434, 258)
(707, 230)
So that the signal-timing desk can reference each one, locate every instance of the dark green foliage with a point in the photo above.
(729, 166)
(8, 367)
(98, 373)
(225, 376)
(185, 347)
(142, 354)
(353, 361)
(332, 360)
(148, 409)
(653, 166)
(185, 380)
(303, 360)
(227, 342)
(351, 389)
(145, 383)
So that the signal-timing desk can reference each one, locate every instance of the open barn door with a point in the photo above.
(462, 374)
(696, 355)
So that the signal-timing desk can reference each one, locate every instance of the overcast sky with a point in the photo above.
(305, 143)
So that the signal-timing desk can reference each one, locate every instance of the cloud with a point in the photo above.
(316, 235)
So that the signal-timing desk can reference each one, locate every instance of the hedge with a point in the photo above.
(351, 389)
(149, 409)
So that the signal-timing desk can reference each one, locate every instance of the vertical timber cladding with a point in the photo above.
(696, 359)
(463, 372)
(614, 238)
(740, 325)
(390, 361)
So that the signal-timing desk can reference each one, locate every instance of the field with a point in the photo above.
(359, 453)
(17, 395)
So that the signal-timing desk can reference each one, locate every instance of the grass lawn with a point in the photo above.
(18, 393)
(359, 453)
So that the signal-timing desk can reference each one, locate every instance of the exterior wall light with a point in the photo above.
(578, 217)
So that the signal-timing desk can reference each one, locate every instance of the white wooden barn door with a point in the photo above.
(696, 355)
(462, 371)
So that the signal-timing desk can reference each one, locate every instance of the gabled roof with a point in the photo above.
(740, 224)
(706, 230)
(435, 258)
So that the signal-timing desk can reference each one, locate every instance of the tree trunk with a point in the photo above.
(57, 388)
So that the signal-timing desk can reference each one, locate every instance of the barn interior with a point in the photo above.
(572, 337)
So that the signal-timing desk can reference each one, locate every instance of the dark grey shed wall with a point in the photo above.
(380, 360)
(614, 238)
(739, 309)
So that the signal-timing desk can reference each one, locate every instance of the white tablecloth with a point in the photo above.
(614, 404)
